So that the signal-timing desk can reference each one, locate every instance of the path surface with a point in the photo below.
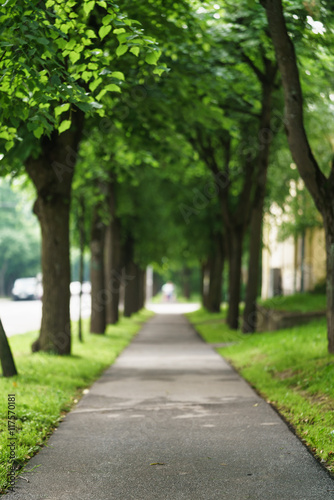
(170, 399)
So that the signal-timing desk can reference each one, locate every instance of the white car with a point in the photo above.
(27, 289)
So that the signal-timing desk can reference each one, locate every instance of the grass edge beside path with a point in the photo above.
(48, 386)
(291, 369)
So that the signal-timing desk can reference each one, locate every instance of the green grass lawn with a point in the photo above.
(292, 370)
(48, 385)
(299, 302)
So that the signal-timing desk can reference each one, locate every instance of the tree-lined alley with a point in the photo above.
(155, 130)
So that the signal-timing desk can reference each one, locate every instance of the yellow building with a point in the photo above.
(282, 261)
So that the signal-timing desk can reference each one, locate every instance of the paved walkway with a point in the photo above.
(170, 420)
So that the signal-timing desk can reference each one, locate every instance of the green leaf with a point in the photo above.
(84, 106)
(101, 94)
(88, 6)
(9, 145)
(70, 45)
(62, 108)
(65, 125)
(74, 57)
(107, 19)
(118, 74)
(158, 71)
(38, 132)
(55, 80)
(152, 57)
(91, 34)
(94, 84)
(118, 31)
(135, 51)
(103, 31)
(86, 76)
(121, 49)
(4, 135)
(112, 88)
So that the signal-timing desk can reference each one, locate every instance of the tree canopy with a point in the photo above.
(158, 127)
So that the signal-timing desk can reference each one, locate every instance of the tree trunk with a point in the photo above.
(216, 276)
(81, 221)
(3, 271)
(213, 276)
(142, 289)
(255, 245)
(113, 261)
(137, 288)
(6, 357)
(130, 291)
(186, 273)
(52, 174)
(235, 262)
(299, 145)
(329, 230)
(98, 292)
(55, 333)
(205, 284)
(320, 187)
(265, 139)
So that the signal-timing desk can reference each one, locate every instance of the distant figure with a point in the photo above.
(168, 291)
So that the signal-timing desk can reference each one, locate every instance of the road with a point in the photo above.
(25, 316)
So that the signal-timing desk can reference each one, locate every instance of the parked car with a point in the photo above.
(27, 289)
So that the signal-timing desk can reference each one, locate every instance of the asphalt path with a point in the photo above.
(25, 315)
(171, 420)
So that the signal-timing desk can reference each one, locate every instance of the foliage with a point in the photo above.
(19, 237)
(60, 55)
(48, 386)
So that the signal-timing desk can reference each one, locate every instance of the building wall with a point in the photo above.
(286, 256)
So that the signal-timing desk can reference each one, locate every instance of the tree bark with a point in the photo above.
(186, 273)
(142, 288)
(3, 271)
(320, 187)
(213, 276)
(235, 261)
(205, 269)
(52, 174)
(265, 139)
(97, 275)
(113, 259)
(131, 289)
(6, 357)
(329, 230)
(81, 220)
(255, 245)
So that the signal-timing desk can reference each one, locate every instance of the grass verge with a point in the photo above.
(292, 370)
(299, 302)
(48, 386)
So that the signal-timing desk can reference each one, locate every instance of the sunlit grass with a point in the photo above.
(212, 326)
(49, 385)
(299, 302)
